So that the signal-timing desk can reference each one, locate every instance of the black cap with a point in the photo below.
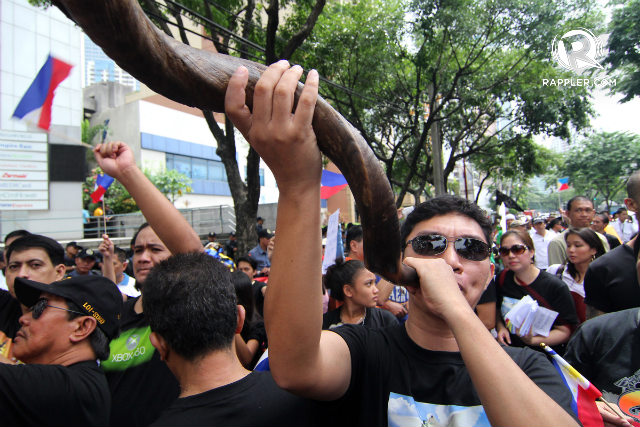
(259, 219)
(97, 296)
(88, 253)
(264, 233)
(212, 234)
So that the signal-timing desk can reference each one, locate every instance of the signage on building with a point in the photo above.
(24, 171)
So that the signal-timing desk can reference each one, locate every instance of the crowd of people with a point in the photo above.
(171, 334)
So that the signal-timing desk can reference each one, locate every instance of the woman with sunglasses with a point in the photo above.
(583, 246)
(521, 278)
(351, 283)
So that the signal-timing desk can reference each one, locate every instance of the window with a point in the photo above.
(260, 173)
(216, 171)
(198, 168)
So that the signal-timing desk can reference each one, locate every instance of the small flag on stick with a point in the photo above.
(584, 393)
(563, 183)
(102, 183)
(331, 183)
(37, 101)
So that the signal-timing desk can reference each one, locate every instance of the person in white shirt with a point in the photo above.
(541, 238)
(625, 225)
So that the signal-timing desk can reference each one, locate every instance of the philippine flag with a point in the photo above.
(102, 183)
(584, 393)
(38, 99)
(563, 184)
(331, 183)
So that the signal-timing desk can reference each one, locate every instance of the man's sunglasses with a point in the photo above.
(515, 249)
(38, 308)
(435, 244)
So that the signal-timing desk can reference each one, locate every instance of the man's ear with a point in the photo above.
(61, 270)
(631, 204)
(160, 344)
(241, 315)
(85, 326)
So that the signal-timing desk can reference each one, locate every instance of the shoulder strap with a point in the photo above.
(560, 270)
(502, 277)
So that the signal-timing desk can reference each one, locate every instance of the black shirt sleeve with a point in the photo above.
(595, 291)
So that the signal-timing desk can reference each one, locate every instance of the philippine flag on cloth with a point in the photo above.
(36, 102)
(102, 183)
(563, 184)
(584, 393)
(331, 183)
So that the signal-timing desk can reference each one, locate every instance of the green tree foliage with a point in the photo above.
(624, 48)
(473, 67)
(600, 165)
(171, 183)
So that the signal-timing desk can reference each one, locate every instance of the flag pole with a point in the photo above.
(104, 215)
(60, 135)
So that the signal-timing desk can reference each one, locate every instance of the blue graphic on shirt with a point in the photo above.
(405, 411)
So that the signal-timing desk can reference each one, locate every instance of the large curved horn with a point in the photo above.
(199, 79)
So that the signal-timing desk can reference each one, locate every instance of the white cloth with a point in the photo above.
(571, 283)
(541, 246)
(626, 229)
(128, 286)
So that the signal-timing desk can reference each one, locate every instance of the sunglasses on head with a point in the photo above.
(515, 249)
(38, 308)
(435, 244)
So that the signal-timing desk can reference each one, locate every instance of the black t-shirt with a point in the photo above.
(606, 350)
(141, 384)
(258, 297)
(613, 241)
(546, 286)
(255, 400)
(374, 318)
(54, 395)
(10, 313)
(396, 382)
(489, 294)
(611, 281)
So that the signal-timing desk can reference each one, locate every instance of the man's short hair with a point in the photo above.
(53, 249)
(604, 216)
(190, 301)
(16, 233)
(443, 205)
(354, 233)
(575, 199)
(248, 260)
(633, 186)
(619, 211)
(120, 253)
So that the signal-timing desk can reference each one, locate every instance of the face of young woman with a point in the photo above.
(516, 263)
(363, 289)
(578, 251)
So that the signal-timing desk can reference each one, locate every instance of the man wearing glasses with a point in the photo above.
(66, 329)
(442, 366)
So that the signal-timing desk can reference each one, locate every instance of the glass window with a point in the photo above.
(261, 172)
(182, 164)
(199, 168)
(216, 171)
(169, 161)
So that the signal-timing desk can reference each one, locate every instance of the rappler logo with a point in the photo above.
(584, 52)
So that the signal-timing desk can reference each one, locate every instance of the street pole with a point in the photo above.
(436, 147)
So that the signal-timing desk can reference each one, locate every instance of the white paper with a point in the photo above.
(331, 246)
(527, 316)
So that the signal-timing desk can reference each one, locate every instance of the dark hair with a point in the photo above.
(604, 216)
(248, 260)
(135, 236)
(120, 253)
(98, 339)
(633, 186)
(591, 238)
(244, 294)
(443, 205)
(522, 235)
(575, 199)
(189, 300)
(16, 233)
(620, 210)
(54, 250)
(353, 233)
(554, 222)
(340, 274)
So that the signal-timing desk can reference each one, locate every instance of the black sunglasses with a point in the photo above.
(38, 308)
(435, 244)
(515, 249)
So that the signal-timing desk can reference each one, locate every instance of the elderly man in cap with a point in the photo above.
(259, 253)
(63, 333)
(85, 260)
